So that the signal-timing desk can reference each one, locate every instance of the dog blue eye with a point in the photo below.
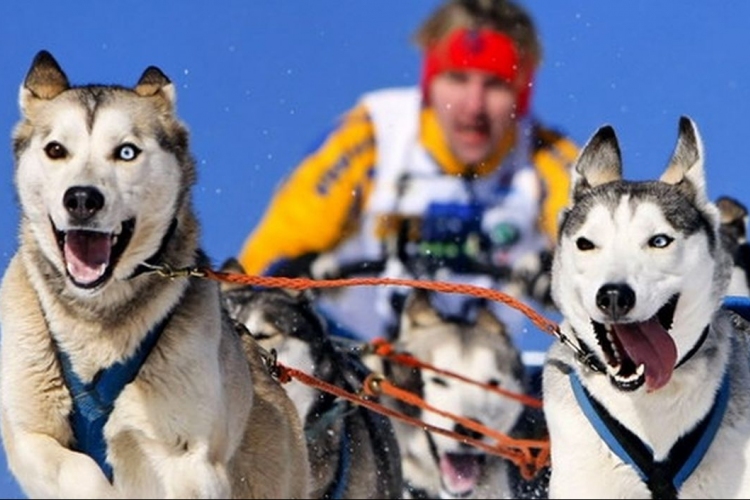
(660, 241)
(584, 244)
(127, 152)
(55, 151)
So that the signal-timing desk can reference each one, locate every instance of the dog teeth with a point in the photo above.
(611, 339)
(626, 379)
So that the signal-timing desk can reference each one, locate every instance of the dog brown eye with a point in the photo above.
(660, 241)
(55, 151)
(440, 381)
(584, 244)
(127, 152)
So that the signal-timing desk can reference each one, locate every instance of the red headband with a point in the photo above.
(483, 49)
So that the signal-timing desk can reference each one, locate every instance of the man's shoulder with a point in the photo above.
(392, 95)
(393, 110)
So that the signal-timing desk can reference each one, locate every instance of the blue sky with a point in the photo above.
(258, 81)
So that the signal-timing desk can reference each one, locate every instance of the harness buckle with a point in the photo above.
(583, 357)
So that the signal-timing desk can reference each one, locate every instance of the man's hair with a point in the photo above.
(499, 15)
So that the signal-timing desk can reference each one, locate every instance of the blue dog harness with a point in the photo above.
(93, 402)
(664, 478)
(738, 304)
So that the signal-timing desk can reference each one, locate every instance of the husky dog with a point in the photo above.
(734, 232)
(353, 451)
(648, 395)
(117, 382)
(438, 466)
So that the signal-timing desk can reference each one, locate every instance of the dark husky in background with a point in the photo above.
(733, 230)
(353, 450)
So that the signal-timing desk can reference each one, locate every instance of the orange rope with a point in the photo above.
(518, 451)
(439, 286)
(385, 349)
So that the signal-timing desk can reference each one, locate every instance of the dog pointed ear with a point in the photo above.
(734, 215)
(45, 80)
(685, 169)
(418, 311)
(154, 81)
(487, 320)
(231, 265)
(598, 162)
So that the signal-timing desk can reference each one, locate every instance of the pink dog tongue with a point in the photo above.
(649, 344)
(87, 254)
(460, 472)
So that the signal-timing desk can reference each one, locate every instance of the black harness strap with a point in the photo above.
(155, 259)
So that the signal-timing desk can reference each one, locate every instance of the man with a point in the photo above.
(449, 180)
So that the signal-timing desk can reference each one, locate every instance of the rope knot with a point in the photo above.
(373, 385)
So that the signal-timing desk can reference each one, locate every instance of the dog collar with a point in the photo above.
(149, 264)
(694, 349)
(584, 355)
(663, 478)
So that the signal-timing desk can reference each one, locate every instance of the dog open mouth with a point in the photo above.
(460, 472)
(642, 352)
(91, 256)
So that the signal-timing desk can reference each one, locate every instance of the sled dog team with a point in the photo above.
(116, 382)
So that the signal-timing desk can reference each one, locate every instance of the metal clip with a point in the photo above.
(167, 271)
(583, 357)
(373, 385)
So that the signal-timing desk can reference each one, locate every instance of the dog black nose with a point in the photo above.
(615, 299)
(82, 202)
(465, 431)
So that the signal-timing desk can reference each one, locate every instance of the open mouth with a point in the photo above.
(474, 133)
(91, 256)
(460, 472)
(641, 352)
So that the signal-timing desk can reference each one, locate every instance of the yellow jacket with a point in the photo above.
(320, 204)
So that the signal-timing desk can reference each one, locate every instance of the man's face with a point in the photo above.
(475, 109)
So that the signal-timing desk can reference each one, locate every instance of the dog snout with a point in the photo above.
(615, 299)
(83, 202)
(466, 431)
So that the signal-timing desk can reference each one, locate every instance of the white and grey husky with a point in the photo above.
(117, 382)
(352, 449)
(650, 395)
(480, 349)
